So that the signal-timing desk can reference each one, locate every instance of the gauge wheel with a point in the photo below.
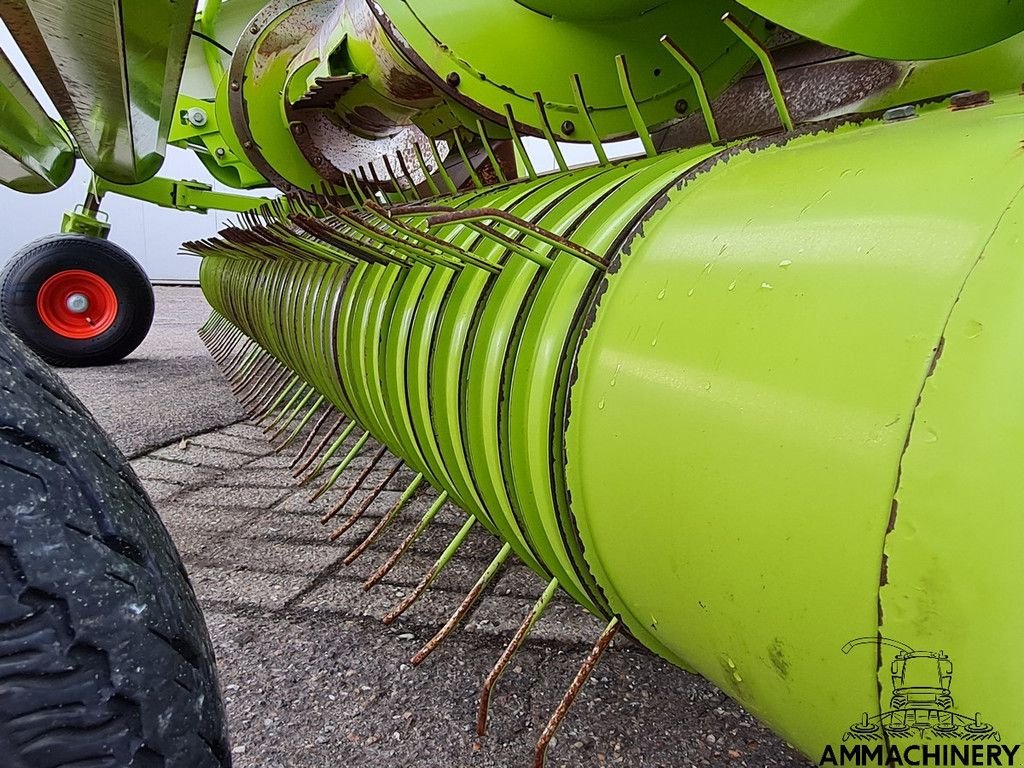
(76, 300)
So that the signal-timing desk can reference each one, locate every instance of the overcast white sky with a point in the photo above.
(151, 234)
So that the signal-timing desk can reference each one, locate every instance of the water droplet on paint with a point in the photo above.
(785, 263)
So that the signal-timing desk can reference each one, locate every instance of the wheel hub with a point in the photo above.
(77, 304)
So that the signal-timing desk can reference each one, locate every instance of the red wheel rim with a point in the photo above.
(77, 304)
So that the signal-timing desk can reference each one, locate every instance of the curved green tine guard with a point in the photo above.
(36, 154)
(119, 59)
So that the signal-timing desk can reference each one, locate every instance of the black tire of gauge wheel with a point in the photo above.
(105, 660)
(33, 293)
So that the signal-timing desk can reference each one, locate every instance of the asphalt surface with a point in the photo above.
(310, 674)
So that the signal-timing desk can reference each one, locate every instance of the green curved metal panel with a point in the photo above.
(907, 29)
(752, 374)
(36, 156)
(112, 68)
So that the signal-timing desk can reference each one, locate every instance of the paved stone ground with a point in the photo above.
(314, 679)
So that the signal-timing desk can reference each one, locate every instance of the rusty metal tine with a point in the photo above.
(371, 465)
(409, 540)
(312, 436)
(292, 411)
(510, 650)
(529, 228)
(574, 689)
(433, 573)
(384, 522)
(365, 506)
(467, 604)
(320, 446)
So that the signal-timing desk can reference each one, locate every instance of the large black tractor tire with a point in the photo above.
(76, 300)
(105, 661)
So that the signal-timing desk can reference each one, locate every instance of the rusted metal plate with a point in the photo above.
(115, 90)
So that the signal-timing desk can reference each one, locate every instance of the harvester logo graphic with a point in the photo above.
(921, 726)
(922, 706)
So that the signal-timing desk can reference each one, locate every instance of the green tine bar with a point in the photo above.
(460, 613)
(408, 176)
(480, 129)
(538, 100)
(302, 390)
(765, 57)
(510, 651)
(280, 398)
(259, 371)
(586, 669)
(426, 171)
(581, 105)
(303, 423)
(250, 402)
(349, 458)
(409, 540)
(385, 521)
(252, 359)
(473, 175)
(259, 406)
(394, 179)
(367, 503)
(633, 108)
(698, 83)
(434, 572)
(335, 446)
(293, 416)
(354, 192)
(440, 167)
(524, 156)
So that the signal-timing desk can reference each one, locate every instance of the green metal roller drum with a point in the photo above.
(755, 401)
(772, 425)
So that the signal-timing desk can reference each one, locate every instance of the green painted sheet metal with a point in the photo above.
(953, 556)
(908, 29)
(112, 68)
(511, 51)
(36, 154)
(745, 394)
